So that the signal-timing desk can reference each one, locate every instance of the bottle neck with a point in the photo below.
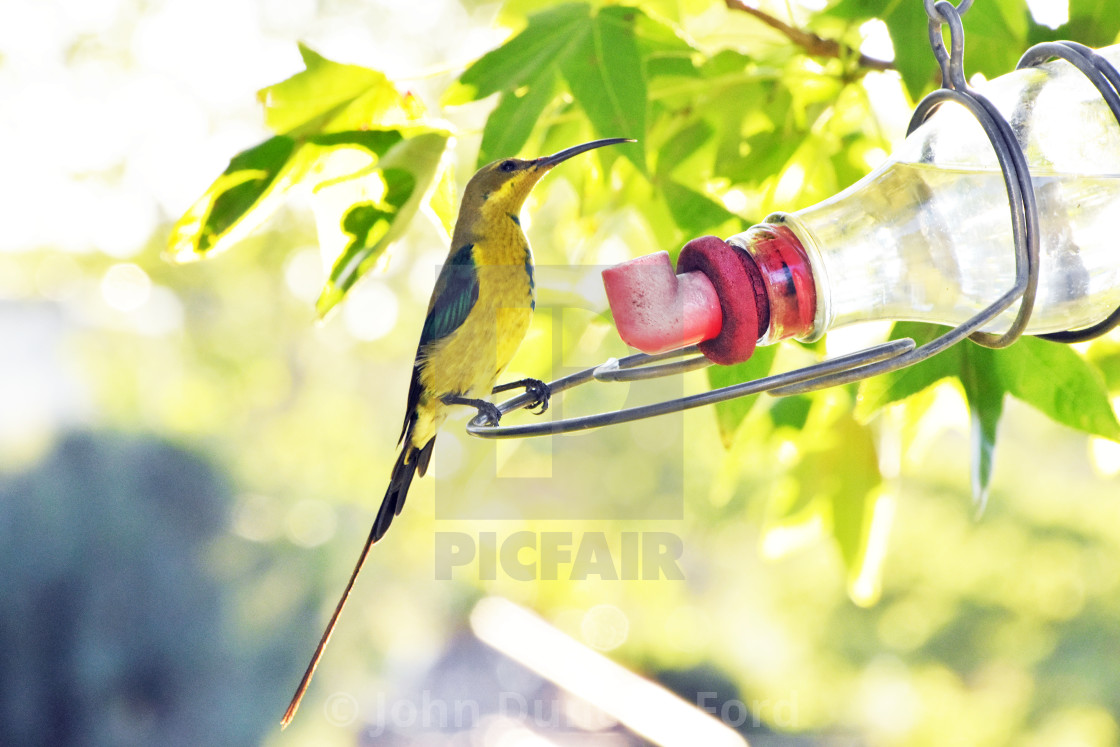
(787, 275)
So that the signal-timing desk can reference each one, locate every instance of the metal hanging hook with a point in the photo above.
(894, 354)
(935, 14)
(943, 13)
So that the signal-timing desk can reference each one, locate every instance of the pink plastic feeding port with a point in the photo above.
(720, 296)
(657, 310)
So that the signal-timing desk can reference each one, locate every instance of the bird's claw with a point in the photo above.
(490, 412)
(541, 394)
(535, 388)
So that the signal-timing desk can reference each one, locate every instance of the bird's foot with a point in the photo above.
(535, 388)
(488, 410)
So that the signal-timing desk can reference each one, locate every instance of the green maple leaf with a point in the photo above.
(596, 52)
(327, 107)
(1046, 375)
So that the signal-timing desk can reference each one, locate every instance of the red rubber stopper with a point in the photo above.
(741, 292)
(656, 310)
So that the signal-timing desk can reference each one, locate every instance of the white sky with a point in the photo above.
(117, 114)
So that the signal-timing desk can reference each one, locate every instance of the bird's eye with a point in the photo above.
(508, 165)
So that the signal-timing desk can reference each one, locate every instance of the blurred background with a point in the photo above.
(189, 461)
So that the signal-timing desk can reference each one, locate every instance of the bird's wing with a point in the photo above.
(454, 296)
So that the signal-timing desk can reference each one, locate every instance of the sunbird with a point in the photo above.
(478, 314)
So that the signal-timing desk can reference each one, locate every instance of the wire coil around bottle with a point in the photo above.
(894, 354)
(1107, 80)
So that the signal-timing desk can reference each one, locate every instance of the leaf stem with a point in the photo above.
(812, 43)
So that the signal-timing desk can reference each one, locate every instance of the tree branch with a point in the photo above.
(810, 42)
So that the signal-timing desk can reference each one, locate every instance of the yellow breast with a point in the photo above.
(469, 361)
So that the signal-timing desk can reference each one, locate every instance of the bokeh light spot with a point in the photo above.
(310, 523)
(126, 287)
(370, 311)
(605, 627)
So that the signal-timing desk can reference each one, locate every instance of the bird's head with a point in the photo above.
(502, 186)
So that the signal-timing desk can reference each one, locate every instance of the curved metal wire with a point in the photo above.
(1107, 80)
(477, 426)
(894, 354)
(630, 369)
(1020, 196)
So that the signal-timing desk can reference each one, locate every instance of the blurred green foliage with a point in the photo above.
(982, 631)
(103, 546)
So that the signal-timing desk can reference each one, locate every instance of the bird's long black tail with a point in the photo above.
(404, 470)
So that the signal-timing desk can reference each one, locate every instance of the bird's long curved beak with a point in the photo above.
(547, 162)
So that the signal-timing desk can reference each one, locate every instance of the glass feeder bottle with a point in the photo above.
(927, 236)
